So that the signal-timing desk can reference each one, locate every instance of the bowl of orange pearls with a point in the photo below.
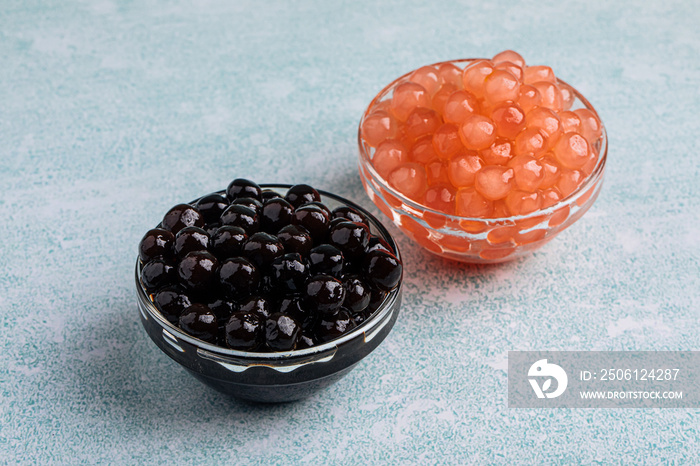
(482, 160)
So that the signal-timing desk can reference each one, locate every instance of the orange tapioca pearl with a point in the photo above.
(441, 198)
(450, 74)
(550, 196)
(388, 156)
(529, 173)
(590, 164)
(533, 74)
(441, 96)
(551, 97)
(384, 105)
(477, 132)
(567, 96)
(437, 172)
(501, 86)
(446, 141)
(500, 210)
(407, 96)
(590, 125)
(568, 181)
(572, 150)
(570, 122)
(428, 77)
(546, 120)
(529, 97)
(530, 141)
(421, 122)
(462, 169)
(509, 119)
(512, 68)
(494, 181)
(523, 202)
(550, 170)
(469, 203)
(423, 151)
(377, 127)
(500, 152)
(509, 55)
(410, 180)
(459, 106)
(474, 76)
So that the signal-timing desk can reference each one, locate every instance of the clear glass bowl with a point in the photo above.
(274, 377)
(477, 240)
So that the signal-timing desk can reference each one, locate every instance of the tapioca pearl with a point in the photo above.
(512, 68)
(441, 198)
(569, 181)
(421, 122)
(410, 180)
(423, 151)
(450, 74)
(529, 97)
(459, 106)
(470, 203)
(494, 182)
(388, 156)
(523, 202)
(570, 122)
(530, 141)
(181, 216)
(529, 173)
(546, 120)
(549, 196)
(446, 141)
(454, 243)
(551, 97)
(590, 125)
(378, 127)
(551, 171)
(509, 56)
(437, 172)
(382, 105)
(538, 73)
(500, 152)
(501, 86)
(428, 77)
(499, 209)
(477, 132)
(408, 96)
(567, 96)
(591, 163)
(509, 119)
(474, 76)
(440, 98)
(572, 150)
(463, 167)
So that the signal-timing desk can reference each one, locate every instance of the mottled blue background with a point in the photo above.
(111, 112)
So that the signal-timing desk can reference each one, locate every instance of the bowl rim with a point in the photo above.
(377, 318)
(590, 180)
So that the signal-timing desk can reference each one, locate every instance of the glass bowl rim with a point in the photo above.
(386, 308)
(590, 180)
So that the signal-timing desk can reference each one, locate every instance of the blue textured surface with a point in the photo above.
(111, 112)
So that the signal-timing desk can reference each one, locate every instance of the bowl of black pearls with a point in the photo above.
(268, 293)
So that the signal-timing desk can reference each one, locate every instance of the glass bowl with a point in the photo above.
(281, 376)
(469, 239)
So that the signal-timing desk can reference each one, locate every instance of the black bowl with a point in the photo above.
(274, 377)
